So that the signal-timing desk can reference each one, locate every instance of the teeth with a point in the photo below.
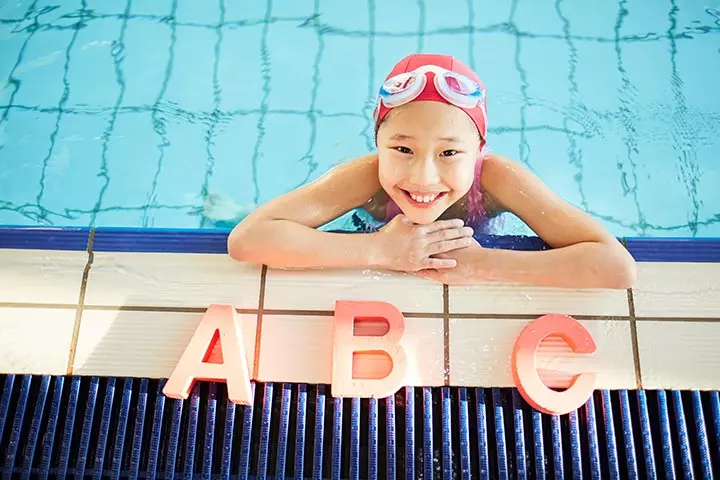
(424, 198)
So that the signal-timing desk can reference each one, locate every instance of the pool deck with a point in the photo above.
(125, 302)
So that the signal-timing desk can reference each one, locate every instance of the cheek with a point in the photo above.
(459, 178)
(390, 171)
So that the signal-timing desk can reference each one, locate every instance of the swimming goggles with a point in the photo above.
(454, 87)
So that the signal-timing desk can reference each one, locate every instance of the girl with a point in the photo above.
(434, 182)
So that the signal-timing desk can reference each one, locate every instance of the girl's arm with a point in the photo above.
(282, 233)
(584, 253)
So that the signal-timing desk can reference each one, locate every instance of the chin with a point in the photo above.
(423, 215)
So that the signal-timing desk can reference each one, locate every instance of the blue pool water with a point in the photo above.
(135, 113)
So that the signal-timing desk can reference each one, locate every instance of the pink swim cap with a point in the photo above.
(464, 90)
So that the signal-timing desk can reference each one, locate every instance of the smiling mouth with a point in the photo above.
(423, 200)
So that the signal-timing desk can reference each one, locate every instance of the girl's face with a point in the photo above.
(427, 153)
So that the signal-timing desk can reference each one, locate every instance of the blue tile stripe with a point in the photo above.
(28, 238)
(215, 241)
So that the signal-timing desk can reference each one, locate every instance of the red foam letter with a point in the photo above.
(525, 373)
(219, 327)
(371, 317)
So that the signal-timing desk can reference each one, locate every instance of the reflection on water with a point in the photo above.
(174, 116)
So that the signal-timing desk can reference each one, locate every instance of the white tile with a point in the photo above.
(299, 349)
(481, 352)
(507, 298)
(318, 290)
(171, 280)
(41, 276)
(35, 340)
(695, 359)
(141, 344)
(677, 290)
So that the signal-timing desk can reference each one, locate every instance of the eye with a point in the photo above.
(448, 153)
(404, 150)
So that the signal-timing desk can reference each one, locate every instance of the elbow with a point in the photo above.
(622, 273)
(239, 244)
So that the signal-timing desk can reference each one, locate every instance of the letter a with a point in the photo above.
(346, 345)
(219, 326)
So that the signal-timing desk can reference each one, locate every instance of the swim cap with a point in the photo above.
(453, 92)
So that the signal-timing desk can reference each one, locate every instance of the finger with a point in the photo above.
(448, 245)
(449, 234)
(439, 263)
(442, 225)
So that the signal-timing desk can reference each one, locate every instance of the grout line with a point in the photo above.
(81, 303)
(330, 313)
(55, 306)
(446, 334)
(258, 329)
(531, 316)
(633, 331)
(679, 319)
(634, 337)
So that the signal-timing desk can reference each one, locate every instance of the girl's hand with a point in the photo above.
(405, 246)
(470, 267)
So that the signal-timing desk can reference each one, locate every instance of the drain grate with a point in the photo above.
(90, 427)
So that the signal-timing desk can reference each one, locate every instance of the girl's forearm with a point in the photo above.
(287, 244)
(583, 265)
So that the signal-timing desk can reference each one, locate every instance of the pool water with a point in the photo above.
(144, 113)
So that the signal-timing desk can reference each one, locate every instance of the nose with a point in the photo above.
(424, 171)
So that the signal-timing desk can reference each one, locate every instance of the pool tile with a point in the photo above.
(292, 74)
(141, 344)
(241, 71)
(41, 71)
(191, 82)
(548, 155)
(161, 8)
(448, 17)
(348, 17)
(534, 19)
(299, 349)
(318, 290)
(342, 55)
(147, 60)
(131, 173)
(205, 13)
(597, 19)
(288, 136)
(41, 276)
(93, 52)
(695, 359)
(503, 81)
(298, 8)
(26, 136)
(78, 136)
(481, 352)
(677, 290)
(186, 162)
(505, 298)
(35, 340)
(400, 17)
(171, 280)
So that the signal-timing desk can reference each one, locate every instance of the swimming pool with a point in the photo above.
(134, 113)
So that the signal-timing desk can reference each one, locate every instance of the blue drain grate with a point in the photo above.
(90, 427)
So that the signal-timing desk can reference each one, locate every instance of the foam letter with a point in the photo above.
(371, 317)
(525, 373)
(219, 328)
